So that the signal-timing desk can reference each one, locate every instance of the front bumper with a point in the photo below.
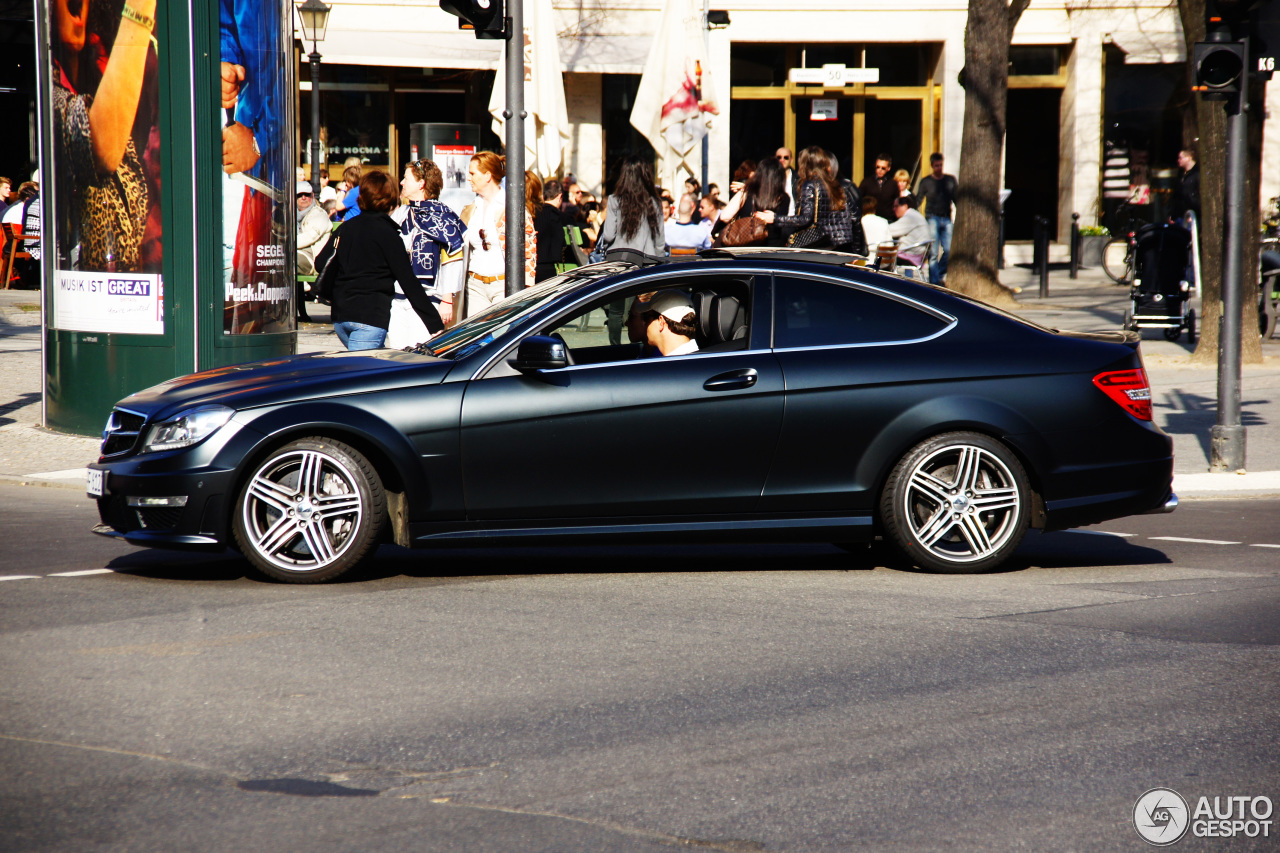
(192, 472)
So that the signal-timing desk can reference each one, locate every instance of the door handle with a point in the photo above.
(732, 380)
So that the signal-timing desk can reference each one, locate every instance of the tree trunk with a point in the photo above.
(1211, 124)
(973, 268)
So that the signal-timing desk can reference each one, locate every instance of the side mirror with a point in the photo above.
(540, 352)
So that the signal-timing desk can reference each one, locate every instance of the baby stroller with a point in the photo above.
(1160, 293)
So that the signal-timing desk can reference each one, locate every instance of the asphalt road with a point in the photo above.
(661, 698)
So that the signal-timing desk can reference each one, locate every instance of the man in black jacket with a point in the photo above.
(881, 187)
(1187, 196)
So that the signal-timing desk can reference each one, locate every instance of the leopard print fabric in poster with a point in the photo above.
(111, 210)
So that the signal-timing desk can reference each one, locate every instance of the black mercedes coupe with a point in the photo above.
(825, 402)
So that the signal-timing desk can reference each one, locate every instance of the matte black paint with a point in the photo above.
(759, 444)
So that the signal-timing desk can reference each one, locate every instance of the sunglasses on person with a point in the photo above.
(484, 240)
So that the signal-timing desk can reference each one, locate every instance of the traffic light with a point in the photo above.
(1219, 67)
(486, 17)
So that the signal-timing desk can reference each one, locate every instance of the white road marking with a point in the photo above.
(1196, 541)
(1260, 545)
(1106, 533)
(82, 573)
(20, 577)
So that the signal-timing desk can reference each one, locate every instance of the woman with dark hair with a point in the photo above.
(431, 232)
(766, 189)
(371, 261)
(633, 216)
(633, 221)
(821, 201)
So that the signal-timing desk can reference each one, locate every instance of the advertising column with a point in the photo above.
(257, 183)
(167, 163)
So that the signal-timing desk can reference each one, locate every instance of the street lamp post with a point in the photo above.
(315, 20)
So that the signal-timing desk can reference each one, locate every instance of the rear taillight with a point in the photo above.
(1129, 388)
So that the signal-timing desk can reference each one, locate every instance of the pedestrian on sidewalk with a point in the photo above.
(938, 191)
(486, 235)
(371, 261)
(880, 187)
(432, 235)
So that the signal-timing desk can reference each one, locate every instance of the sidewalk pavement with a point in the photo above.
(1184, 395)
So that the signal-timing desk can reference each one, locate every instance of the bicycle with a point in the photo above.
(1118, 259)
(1118, 254)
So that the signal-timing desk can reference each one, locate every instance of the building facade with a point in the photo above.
(1097, 90)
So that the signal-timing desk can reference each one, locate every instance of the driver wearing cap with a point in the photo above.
(670, 323)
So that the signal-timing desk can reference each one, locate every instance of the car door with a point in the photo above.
(691, 434)
(854, 357)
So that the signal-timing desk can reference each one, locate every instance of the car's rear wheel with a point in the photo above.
(959, 502)
(311, 511)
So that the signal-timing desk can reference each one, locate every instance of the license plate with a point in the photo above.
(95, 482)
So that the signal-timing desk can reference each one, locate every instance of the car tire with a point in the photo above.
(311, 511)
(958, 503)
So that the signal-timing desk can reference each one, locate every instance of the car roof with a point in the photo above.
(783, 257)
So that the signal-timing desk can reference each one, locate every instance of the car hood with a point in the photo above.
(290, 379)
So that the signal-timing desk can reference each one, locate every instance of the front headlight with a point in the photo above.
(188, 428)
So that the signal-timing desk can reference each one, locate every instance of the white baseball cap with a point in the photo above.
(675, 305)
(304, 187)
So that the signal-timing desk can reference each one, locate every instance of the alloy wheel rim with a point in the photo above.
(302, 510)
(962, 504)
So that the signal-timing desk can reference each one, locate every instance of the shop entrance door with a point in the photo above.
(864, 127)
(1031, 161)
(894, 128)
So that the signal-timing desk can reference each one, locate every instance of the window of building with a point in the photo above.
(758, 64)
(1034, 60)
(810, 313)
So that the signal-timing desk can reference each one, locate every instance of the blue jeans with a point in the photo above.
(356, 336)
(940, 231)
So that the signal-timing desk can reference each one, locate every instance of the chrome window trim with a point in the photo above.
(829, 347)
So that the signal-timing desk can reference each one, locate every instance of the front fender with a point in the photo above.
(397, 461)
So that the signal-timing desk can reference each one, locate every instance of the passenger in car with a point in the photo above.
(670, 323)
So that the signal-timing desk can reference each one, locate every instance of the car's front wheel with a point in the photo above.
(959, 502)
(311, 511)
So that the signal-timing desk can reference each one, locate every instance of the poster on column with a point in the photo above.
(102, 191)
(257, 175)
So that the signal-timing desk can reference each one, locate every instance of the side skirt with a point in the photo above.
(647, 530)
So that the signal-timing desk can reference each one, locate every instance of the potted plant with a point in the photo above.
(1093, 240)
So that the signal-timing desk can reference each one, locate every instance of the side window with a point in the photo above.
(812, 313)
(600, 325)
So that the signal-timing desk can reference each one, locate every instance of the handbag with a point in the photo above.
(744, 231)
(328, 276)
(811, 235)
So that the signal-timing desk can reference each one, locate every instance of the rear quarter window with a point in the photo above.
(811, 313)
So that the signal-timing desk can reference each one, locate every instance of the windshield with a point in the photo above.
(474, 333)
